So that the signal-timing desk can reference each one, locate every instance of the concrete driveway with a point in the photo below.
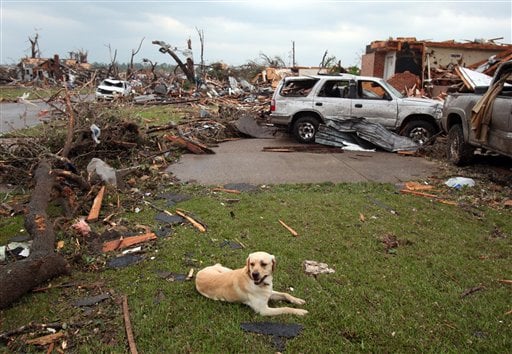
(243, 161)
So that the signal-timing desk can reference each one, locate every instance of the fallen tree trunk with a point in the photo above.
(20, 277)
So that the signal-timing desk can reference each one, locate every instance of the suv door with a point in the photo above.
(333, 99)
(374, 103)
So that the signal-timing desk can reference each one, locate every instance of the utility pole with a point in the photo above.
(293, 53)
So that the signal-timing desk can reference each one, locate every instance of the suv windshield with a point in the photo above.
(393, 90)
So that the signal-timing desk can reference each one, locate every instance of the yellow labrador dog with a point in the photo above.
(251, 285)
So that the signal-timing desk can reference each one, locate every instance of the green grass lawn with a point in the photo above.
(11, 93)
(407, 298)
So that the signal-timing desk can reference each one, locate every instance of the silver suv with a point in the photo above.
(302, 103)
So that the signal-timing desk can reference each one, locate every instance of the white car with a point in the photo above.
(303, 103)
(110, 89)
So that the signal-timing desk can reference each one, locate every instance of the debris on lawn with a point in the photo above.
(98, 168)
(292, 231)
(94, 213)
(390, 242)
(128, 325)
(472, 290)
(198, 225)
(460, 182)
(416, 186)
(124, 260)
(314, 268)
(241, 187)
(17, 250)
(169, 218)
(46, 340)
(124, 242)
(192, 146)
(82, 227)
(173, 198)
(91, 300)
(279, 331)
(172, 277)
(234, 191)
(232, 244)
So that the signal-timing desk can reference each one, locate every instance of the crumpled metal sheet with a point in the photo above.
(374, 133)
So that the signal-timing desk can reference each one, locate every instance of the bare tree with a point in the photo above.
(273, 62)
(80, 56)
(129, 70)
(34, 46)
(112, 69)
(201, 40)
(166, 48)
(153, 66)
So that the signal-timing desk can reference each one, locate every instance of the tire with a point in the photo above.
(304, 129)
(459, 152)
(421, 132)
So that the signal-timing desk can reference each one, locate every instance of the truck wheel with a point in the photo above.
(419, 131)
(459, 152)
(304, 129)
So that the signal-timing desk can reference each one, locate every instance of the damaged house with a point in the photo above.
(50, 69)
(407, 62)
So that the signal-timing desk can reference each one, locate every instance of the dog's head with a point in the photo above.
(260, 266)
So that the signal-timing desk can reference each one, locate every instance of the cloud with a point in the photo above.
(24, 17)
(238, 31)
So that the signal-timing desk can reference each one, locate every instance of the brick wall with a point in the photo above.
(367, 63)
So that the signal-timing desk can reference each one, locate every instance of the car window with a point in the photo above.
(334, 88)
(371, 90)
(297, 88)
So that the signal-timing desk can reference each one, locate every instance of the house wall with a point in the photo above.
(372, 64)
(443, 57)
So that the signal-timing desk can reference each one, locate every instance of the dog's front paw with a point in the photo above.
(300, 312)
(297, 301)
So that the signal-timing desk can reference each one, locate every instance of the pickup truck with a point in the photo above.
(302, 103)
(480, 120)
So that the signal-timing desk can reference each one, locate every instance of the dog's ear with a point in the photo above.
(247, 265)
(273, 264)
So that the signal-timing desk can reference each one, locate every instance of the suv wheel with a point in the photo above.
(419, 131)
(459, 152)
(304, 129)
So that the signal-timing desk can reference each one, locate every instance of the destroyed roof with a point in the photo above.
(396, 44)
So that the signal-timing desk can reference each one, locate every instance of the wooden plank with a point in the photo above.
(94, 213)
(421, 194)
(124, 242)
(292, 231)
(128, 326)
(196, 224)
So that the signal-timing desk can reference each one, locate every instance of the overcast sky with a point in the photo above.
(236, 32)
